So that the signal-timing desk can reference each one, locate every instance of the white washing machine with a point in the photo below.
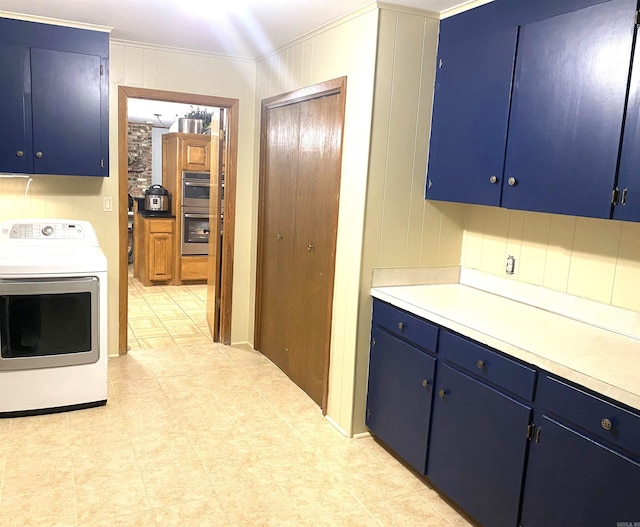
(53, 317)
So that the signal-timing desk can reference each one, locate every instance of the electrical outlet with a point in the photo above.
(107, 204)
(511, 265)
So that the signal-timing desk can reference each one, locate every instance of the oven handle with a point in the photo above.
(196, 184)
(196, 215)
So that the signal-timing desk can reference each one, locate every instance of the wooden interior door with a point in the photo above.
(283, 129)
(300, 181)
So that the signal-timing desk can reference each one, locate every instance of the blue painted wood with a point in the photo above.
(574, 480)
(585, 411)
(66, 112)
(398, 405)
(503, 14)
(629, 172)
(497, 369)
(470, 116)
(567, 110)
(416, 330)
(478, 447)
(62, 108)
(15, 114)
(59, 38)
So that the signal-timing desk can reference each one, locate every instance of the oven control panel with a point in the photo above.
(30, 231)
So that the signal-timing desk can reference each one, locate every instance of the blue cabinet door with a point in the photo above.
(628, 204)
(470, 116)
(66, 102)
(567, 110)
(478, 447)
(15, 111)
(399, 396)
(574, 480)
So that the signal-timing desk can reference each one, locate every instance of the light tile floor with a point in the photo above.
(200, 434)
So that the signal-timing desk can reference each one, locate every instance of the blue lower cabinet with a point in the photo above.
(584, 460)
(399, 396)
(478, 447)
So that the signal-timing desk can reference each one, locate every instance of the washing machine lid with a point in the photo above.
(49, 246)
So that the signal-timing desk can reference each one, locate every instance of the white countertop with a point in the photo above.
(600, 359)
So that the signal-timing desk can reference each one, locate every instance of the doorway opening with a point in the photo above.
(216, 289)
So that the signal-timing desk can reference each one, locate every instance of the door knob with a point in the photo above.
(278, 236)
(442, 393)
(512, 181)
(39, 155)
(401, 326)
(493, 180)
(480, 364)
(19, 153)
(606, 424)
(425, 383)
(310, 247)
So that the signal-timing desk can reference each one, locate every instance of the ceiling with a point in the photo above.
(239, 28)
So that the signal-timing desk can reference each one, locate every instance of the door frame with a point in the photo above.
(323, 89)
(232, 107)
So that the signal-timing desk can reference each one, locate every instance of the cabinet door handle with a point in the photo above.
(310, 247)
(480, 364)
(39, 155)
(493, 180)
(278, 236)
(606, 424)
(442, 393)
(512, 181)
(19, 153)
(425, 383)
(401, 326)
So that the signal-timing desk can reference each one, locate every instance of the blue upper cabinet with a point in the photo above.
(470, 117)
(536, 125)
(53, 100)
(627, 202)
(567, 111)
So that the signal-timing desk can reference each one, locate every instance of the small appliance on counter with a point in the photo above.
(157, 201)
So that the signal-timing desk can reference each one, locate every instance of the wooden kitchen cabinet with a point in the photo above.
(196, 151)
(153, 249)
(184, 152)
(481, 416)
(540, 132)
(584, 464)
(53, 79)
(401, 377)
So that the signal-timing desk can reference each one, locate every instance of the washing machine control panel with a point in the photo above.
(30, 231)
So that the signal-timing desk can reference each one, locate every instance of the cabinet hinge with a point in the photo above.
(223, 135)
(101, 69)
(218, 302)
(368, 413)
(614, 196)
(373, 343)
(530, 430)
(102, 163)
(538, 432)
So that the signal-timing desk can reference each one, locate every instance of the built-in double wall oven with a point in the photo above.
(195, 213)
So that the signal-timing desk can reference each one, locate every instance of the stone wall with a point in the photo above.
(140, 158)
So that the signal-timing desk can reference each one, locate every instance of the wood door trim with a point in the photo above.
(331, 87)
(232, 106)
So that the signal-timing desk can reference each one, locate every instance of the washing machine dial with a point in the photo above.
(47, 230)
